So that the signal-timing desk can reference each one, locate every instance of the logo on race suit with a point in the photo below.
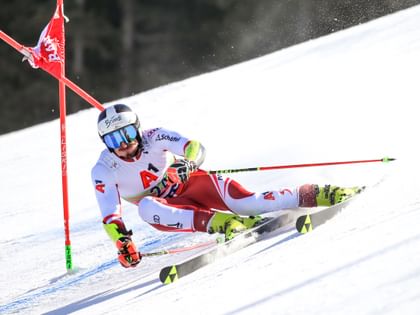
(176, 225)
(167, 137)
(156, 219)
(99, 186)
(283, 191)
(152, 132)
(147, 178)
(268, 195)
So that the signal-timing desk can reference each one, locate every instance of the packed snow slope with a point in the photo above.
(348, 96)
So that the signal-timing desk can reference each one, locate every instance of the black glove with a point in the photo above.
(180, 170)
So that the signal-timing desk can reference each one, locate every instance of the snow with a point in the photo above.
(351, 95)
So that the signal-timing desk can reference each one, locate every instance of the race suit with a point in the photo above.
(175, 207)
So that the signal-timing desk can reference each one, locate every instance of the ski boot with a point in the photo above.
(231, 224)
(331, 195)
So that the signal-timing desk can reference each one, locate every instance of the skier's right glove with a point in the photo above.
(128, 256)
(179, 171)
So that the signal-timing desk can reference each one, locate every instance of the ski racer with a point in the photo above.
(158, 170)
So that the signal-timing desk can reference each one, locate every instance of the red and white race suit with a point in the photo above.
(175, 207)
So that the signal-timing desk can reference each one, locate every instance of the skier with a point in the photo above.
(158, 170)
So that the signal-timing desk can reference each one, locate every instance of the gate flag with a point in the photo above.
(48, 54)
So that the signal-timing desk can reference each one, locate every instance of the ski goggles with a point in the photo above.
(126, 134)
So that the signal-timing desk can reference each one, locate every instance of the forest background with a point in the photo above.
(118, 48)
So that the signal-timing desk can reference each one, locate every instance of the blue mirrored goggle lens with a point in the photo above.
(114, 139)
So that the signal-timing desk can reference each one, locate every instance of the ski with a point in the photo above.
(172, 273)
(306, 223)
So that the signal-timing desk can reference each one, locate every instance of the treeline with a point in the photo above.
(117, 48)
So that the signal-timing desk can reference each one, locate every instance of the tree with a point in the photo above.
(119, 48)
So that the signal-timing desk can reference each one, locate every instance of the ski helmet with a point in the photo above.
(117, 117)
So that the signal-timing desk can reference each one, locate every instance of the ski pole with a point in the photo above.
(267, 168)
(180, 249)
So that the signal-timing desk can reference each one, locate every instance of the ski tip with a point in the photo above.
(168, 274)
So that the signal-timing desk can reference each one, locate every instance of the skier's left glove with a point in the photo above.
(128, 256)
(179, 171)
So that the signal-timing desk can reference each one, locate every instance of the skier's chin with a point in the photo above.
(129, 152)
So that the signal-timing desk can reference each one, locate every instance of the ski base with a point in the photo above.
(172, 273)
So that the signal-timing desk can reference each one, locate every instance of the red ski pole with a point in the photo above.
(277, 167)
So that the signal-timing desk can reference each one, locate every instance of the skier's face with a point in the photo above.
(127, 150)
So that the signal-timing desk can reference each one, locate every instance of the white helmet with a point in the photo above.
(116, 117)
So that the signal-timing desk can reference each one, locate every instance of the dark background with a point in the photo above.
(117, 48)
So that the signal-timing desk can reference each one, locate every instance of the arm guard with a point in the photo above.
(194, 151)
(116, 229)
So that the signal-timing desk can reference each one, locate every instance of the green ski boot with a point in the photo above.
(331, 195)
(231, 224)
